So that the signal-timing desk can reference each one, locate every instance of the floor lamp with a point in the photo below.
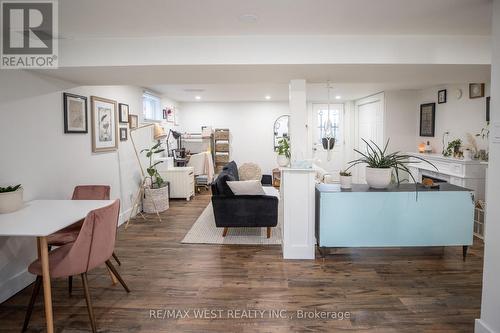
(158, 134)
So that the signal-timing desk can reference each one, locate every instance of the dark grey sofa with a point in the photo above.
(237, 211)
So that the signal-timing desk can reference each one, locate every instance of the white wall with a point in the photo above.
(400, 118)
(48, 163)
(251, 125)
(458, 116)
(490, 307)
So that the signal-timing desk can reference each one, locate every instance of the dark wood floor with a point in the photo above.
(397, 290)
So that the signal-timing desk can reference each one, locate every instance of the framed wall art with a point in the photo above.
(476, 90)
(75, 113)
(427, 119)
(123, 112)
(104, 124)
(442, 96)
(123, 134)
(133, 121)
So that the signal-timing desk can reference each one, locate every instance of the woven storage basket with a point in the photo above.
(222, 147)
(158, 197)
(221, 134)
(221, 158)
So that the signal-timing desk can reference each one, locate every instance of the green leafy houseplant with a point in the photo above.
(9, 188)
(154, 175)
(377, 158)
(284, 147)
(453, 148)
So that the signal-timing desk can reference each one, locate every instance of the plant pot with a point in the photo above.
(378, 178)
(345, 182)
(283, 161)
(11, 201)
(155, 199)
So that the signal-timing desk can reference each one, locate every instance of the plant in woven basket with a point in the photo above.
(154, 176)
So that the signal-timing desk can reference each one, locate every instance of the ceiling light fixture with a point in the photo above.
(197, 97)
(268, 97)
(338, 97)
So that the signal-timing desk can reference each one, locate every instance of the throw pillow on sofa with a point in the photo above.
(246, 187)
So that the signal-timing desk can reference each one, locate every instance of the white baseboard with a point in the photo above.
(481, 327)
(124, 216)
(15, 284)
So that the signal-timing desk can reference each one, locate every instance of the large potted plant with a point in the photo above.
(381, 165)
(283, 151)
(156, 192)
(11, 198)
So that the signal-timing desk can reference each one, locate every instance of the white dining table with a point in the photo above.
(40, 218)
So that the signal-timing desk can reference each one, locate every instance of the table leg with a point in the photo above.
(47, 291)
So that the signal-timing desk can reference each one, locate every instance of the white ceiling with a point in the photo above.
(134, 18)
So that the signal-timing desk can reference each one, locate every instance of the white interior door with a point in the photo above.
(334, 161)
(369, 124)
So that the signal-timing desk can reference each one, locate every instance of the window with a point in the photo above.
(322, 113)
(151, 107)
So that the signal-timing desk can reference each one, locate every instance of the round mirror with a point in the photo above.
(280, 129)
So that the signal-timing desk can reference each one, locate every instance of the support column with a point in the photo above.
(298, 120)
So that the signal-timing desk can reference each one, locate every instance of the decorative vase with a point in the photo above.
(11, 201)
(155, 199)
(379, 178)
(283, 161)
(345, 182)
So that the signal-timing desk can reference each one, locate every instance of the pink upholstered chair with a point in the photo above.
(92, 248)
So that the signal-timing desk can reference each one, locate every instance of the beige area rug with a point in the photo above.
(204, 231)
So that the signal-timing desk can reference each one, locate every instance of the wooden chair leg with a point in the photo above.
(224, 233)
(36, 290)
(116, 259)
(70, 284)
(118, 276)
(268, 232)
(89, 302)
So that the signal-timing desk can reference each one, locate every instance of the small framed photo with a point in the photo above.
(476, 90)
(104, 125)
(123, 134)
(133, 121)
(75, 113)
(427, 119)
(123, 112)
(169, 114)
(442, 96)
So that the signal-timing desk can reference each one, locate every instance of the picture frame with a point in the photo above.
(123, 133)
(427, 119)
(123, 112)
(75, 113)
(488, 100)
(104, 124)
(476, 90)
(169, 114)
(133, 121)
(442, 96)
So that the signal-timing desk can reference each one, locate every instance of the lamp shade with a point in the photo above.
(159, 132)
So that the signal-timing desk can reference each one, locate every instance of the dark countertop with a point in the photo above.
(444, 187)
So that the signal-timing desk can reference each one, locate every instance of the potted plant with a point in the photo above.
(11, 198)
(156, 193)
(283, 150)
(453, 148)
(380, 165)
(345, 179)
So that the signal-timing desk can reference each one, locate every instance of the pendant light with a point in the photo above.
(328, 139)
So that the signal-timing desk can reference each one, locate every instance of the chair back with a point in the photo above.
(96, 241)
(91, 192)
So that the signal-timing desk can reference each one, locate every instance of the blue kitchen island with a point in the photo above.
(396, 217)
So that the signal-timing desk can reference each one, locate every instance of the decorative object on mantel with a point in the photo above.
(476, 90)
(453, 149)
(123, 112)
(442, 96)
(328, 141)
(75, 113)
(159, 134)
(104, 125)
(381, 165)
(427, 119)
(11, 198)
(283, 151)
(421, 148)
(428, 148)
(345, 179)
(133, 121)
